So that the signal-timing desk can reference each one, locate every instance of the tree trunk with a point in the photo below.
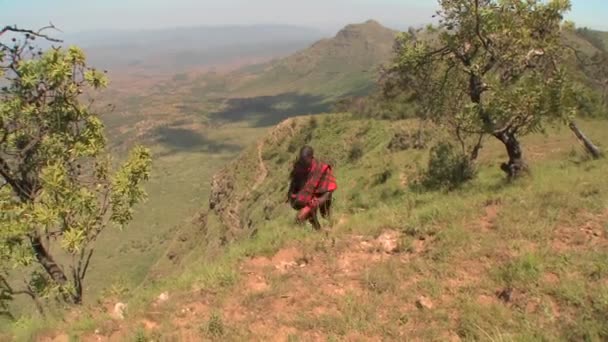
(516, 166)
(77, 295)
(50, 266)
(595, 152)
(47, 261)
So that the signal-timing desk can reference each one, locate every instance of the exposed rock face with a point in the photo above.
(119, 311)
(424, 303)
(402, 141)
(163, 297)
(221, 187)
(389, 241)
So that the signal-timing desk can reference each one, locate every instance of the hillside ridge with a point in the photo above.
(516, 261)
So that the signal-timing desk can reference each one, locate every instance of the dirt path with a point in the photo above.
(284, 130)
(233, 211)
(262, 166)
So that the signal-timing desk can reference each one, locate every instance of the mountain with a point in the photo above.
(346, 63)
(308, 81)
(180, 48)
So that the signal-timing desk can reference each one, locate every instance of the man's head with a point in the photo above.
(306, 156)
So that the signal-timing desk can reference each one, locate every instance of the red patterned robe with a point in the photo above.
(309, 184)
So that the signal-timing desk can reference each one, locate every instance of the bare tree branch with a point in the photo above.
(33, 33)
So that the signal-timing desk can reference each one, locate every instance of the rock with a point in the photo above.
(389, 241)
(97, 332)
(424, 303)
(119, 310)
(368, 247)
(400, 142)
(505, 295)
(283, 266)
(163, 297)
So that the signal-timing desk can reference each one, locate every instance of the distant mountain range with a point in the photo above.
(309, 79)
(180, 48)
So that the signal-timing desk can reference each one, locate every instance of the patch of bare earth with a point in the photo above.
(57, 338)
(278, 291)
(591, 234)
(488, 220)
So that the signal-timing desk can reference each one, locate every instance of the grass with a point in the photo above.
(215, 326)
(178, 189)
(513, 253)
(453, 252)
(538, 217)
(382, 278)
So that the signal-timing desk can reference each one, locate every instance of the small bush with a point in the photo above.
(215, 326)
(356, 152)
(403, 141)
(523, 270)
(140, 336)
(313, 123)
(447, 168)
(382, 178)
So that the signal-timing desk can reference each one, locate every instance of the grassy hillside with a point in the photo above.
(177, 117)
(490, 261)
(183, 119)
(604, 36)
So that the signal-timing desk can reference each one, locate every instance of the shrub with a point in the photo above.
(215, 326)
(356, 152)
(313, 123)
(447, 168)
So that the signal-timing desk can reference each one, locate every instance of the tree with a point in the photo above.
(490, 67)
(57, 187)
(592, 90)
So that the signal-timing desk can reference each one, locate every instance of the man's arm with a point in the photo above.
(323, 198)
(292, 186)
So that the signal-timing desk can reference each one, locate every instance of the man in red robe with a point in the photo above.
(311, 187)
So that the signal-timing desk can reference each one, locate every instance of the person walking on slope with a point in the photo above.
(311, 187)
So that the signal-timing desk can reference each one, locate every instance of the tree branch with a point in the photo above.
(34, 33)
(6, 173)
(83, 271)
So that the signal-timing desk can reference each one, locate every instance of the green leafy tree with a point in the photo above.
(59, 188)
(490, 68)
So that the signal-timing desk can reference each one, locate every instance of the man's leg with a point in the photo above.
(315, 221)
(309, 213)
(303, 214)
(325, 205)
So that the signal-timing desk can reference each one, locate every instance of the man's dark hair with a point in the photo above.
(306, 152)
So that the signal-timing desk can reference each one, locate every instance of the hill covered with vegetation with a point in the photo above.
(486, 258)
(347, 63)
(491, 260)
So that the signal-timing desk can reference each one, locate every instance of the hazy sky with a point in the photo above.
(84, 15)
